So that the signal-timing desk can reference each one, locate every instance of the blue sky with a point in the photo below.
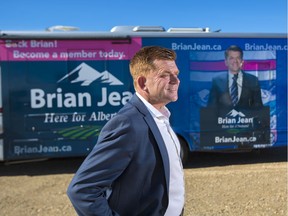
(95, 15)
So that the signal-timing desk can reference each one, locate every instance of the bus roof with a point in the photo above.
(124, 32)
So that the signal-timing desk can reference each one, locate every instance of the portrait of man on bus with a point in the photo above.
(236, 89)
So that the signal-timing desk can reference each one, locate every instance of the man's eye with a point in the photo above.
(164, 75)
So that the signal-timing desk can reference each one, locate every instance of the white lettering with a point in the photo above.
(234, 139)
(111, 54)
(30, 55)
(101, 116)
(41, 99)
(43, 44)
(59, 99)
(22, 150)
(54, 118)
(78, 54)
(78, 117)
(19, 44)
(114, 98)
(195, 46)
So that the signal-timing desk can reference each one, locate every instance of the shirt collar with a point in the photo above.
(153, 111)
(232, 75)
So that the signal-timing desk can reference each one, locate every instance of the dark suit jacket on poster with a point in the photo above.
(250, 96)
(130, 159)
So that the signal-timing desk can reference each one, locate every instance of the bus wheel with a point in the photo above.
(184, 153)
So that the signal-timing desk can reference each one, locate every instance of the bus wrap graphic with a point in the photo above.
(239, 128)
(206, 65)
(83, 133)
(86, 75)
(83, 101)
(63, 50)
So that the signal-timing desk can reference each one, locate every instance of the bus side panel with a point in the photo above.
(58, 94)
(213, 129)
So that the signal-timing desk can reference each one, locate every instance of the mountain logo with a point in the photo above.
(87, 75)
(235, 113)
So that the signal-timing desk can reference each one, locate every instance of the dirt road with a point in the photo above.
(246, 184)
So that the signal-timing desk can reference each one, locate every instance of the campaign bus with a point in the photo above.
(58, 89)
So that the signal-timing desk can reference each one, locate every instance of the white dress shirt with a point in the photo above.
(176, 181)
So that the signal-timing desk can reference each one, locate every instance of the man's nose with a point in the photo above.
(174, 79)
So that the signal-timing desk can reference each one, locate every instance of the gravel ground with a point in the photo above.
(244, 184)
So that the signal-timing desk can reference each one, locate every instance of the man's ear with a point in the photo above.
(226, 62)
(142, 83)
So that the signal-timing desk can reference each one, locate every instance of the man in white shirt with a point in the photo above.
(135, 168)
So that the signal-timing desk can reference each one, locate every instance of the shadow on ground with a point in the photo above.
(205, 159)
(197, 160)
(40, 167)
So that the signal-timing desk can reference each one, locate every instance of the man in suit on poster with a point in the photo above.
(236, 89)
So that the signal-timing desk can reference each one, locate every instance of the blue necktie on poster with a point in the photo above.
(234, 90)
